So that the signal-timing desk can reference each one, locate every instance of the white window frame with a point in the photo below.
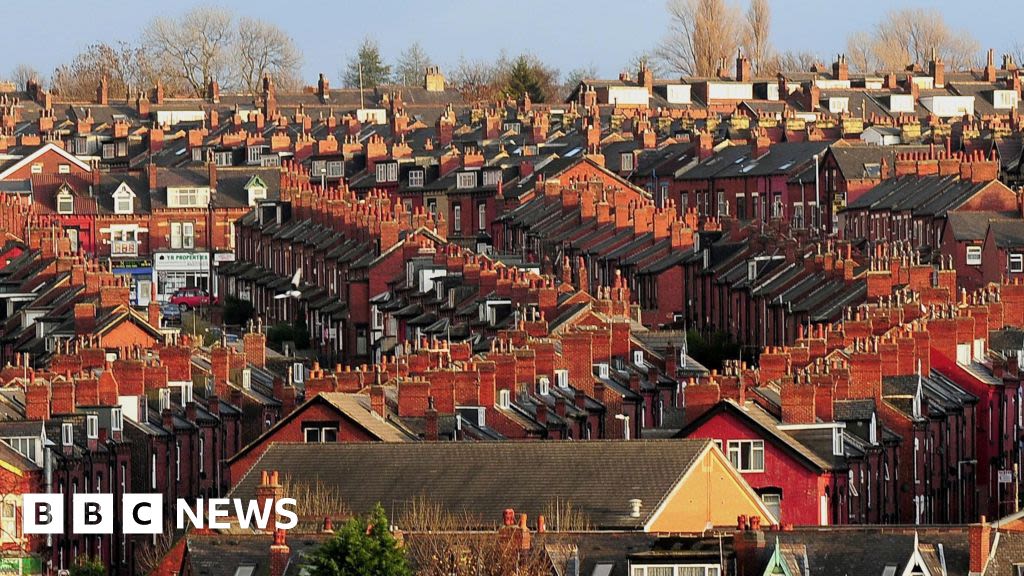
(777, 499)
(628, 161)
(974, 255)
(116, 420)
(92, 426)
(457, 218)
(202, 454)
(465, 180)
(481, 216)
(152, 473)
(335, 169)
(64, 169)
(1016, 264)
(735, 448)
(37, 168)
(177, 461)
(65, 203)
(416, 179)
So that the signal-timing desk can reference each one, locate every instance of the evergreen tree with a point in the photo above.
(526, 77)
(374, 71)
(362, 547)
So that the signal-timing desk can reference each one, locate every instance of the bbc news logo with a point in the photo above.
(144, 514)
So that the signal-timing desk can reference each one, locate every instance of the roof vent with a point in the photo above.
(634, 507)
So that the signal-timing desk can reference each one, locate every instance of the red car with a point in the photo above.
(188, 298)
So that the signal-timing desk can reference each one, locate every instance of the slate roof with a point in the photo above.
(1008, 233)
(759, 419)
(223, 554)
(482, 479)
(841, 551)
(1008, 556)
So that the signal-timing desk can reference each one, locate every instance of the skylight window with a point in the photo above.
(786, 165)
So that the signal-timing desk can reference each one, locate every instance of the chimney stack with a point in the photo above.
(280, 554)
(979, 539)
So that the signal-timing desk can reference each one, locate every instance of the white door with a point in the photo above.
(823, 513)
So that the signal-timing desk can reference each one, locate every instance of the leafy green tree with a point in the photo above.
(88, 568)
(364, 546)
(374, 71)
(412, 65)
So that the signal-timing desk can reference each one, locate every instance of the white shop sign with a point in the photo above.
(198, 261)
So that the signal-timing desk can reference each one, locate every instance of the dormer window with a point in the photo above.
(387, 172)
(416, 179)
(116, 420)
(124, 199)
(65, 201)
(92, 426)
(465, 180)
(256, 189)
(492, 177)
(67, 434)
(188, 197)
(627, 161)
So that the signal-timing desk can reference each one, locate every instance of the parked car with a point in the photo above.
(171, 314)
(189, 298)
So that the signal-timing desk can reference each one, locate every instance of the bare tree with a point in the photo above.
(1017, 53)
(412, 65)
(125, 66)
(476, 80)
(196, 46)
(264, 48)
(909, 36)
(22, 74)
(859, 52)
(756, 43)
(575, 76)
(702, 35)
(790, 61)
(438, 543)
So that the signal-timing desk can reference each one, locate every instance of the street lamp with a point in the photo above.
(625, 418)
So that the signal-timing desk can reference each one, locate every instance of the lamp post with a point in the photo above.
(625, 418)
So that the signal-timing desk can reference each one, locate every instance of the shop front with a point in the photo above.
(141, 273)
(173, 271)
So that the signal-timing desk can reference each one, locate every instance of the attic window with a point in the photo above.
(123, 200)
(387, 172)
(92, 425)
(67, 434)
(116, 420)
(627, 161)
(491, 177)
(974, 255)
(416, 179)
(873, 170)
(65, 202)
(466, 180)
(245, 570)
(1016, 263)
(64, 169)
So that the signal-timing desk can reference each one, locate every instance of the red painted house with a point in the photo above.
(327, 417)
(798, 482)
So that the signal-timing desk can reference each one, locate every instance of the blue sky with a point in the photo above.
(606, 34)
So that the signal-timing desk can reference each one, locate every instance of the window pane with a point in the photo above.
(330, 435)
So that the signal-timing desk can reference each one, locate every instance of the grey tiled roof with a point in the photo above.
(480, 479)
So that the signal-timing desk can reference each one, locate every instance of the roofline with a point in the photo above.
(709, 448)
(42, 150)
(291, 416)
(724, 405)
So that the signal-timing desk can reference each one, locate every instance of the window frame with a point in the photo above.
(416, 178)
(1016, 263)
(65, 197)
(973, 256)
(755, 447)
